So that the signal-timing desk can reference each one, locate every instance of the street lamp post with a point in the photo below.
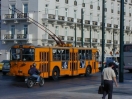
(121, 76)
(103, 32)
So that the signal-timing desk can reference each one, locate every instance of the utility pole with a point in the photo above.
(82, 27)
(113, 44)
(103, 32)
(90, 37)
(75, 35)
(121, 70)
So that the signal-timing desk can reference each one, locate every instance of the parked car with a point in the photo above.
(1, 64)
(6, 67)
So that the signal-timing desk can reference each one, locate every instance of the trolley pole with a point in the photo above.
(103, 32)
(82, 27)
(75, 35)
(90, 37)
(121, 75)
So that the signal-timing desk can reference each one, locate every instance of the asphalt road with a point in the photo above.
(10, 88)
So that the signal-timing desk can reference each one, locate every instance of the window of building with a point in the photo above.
(91, 4)
(129, 11)
(12, 31)
(83, 14)
(75, 14)
(98, 5)
(12, 9)
(25, 8)
(105, 20)
(129, 22)
(57, 30)
(25, 30)
(112, 20)
(57, 0)
(83, 1)
(124, 22)
(91, 16)
(66, 1)
(98, 17)
(46, 9)
(56, 11)
(112, 8)
(66, 12)
(118, 21)
(75, 3)
(124, 9)
(66, 31)
(105, 7)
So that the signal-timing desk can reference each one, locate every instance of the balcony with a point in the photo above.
(115, 42)
(62, 37)
(79, 21)
(94, 40)
(21, 36)
(87, 40)
(115, 26)
(17, 37)
(61, 18)
(17, 17)
(69, 39)
(108, 42)
(78, 39)
(69, 19)
(8, 37)
(127, 29)
(109, 25)
(87, 22)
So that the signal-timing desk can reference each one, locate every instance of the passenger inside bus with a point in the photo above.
(27, 54)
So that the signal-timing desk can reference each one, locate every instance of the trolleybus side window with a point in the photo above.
(60, 54)
(89, 54)
(65, 54)
(56, 54)
(27, 54)
(82, 54)
(15, 54)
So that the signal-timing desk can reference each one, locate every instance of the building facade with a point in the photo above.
(60, 17)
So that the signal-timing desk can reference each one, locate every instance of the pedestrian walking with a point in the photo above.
(108, 75)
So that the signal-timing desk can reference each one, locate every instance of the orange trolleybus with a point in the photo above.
(53, 61)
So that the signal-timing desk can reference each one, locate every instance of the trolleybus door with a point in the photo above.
(43, 64)
(73, 64)
(81, 61)
(95, 62)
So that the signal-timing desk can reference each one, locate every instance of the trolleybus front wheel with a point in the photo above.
(55, 73)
